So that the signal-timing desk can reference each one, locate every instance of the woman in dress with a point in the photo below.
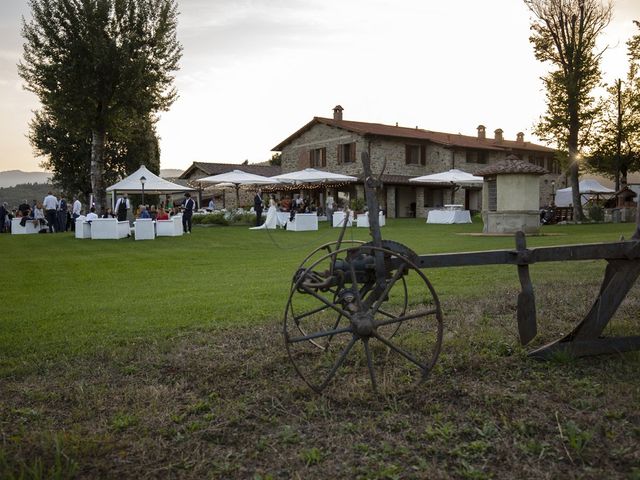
(272, 215)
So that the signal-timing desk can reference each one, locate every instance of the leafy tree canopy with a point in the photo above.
(101, 69)
(564, 35)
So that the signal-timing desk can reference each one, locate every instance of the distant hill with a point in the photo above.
(11, 178)
(15, 195)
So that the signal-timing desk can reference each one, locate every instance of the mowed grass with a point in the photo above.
(66, 295)
(165, 359)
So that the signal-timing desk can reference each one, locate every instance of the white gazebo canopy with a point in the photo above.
(588, 188)
(153, 184)
(451, 177)
(311, 175)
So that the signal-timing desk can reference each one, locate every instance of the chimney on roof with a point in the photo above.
(337, 112)
(520, 137)
(498, 135)
(482, 132)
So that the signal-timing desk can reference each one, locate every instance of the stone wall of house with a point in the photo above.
(294, 155)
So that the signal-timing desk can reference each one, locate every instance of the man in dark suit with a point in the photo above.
(258, 206)
(189, 205)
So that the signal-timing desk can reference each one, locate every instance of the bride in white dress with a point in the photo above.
(272, 216)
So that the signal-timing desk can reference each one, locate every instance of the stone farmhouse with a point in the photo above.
(335, 144)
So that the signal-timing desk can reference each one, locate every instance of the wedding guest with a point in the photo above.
(162, 215)
(92, 215)
(63, 211)
(189, 206)
(76, 210)
(143, 212)
(50, 204)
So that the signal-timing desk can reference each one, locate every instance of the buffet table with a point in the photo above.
(449, 216)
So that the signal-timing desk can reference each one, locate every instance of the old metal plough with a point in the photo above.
(357, 307)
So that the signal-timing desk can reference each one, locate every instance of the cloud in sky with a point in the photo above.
(254, 71)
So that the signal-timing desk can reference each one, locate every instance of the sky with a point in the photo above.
(255, 71)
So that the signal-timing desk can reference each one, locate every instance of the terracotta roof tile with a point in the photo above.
(447, 139)
(217, 168)
(512, 165)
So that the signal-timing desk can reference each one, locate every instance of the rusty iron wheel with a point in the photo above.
(336, 320)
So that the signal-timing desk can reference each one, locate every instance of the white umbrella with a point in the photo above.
(237, 178)
(311, 175)
(453, 177)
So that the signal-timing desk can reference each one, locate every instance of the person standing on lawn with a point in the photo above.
(76, 209)
(62, 215)
(258, 206)
(189, 205)
(122, 205)
(50, 205)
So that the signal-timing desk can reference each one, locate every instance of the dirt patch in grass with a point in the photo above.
(227, 404)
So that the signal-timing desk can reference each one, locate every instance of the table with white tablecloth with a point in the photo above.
(339, 219)
(303, 222)
(283, 218)
(449, 216)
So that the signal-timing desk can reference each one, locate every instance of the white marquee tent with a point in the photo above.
(589, 189)
(153, 185)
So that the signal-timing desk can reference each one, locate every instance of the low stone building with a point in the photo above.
(511, 196)
(335, 145)
(224, 197)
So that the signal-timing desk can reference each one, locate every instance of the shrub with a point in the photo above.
(596, 213)
(225, 217)
(216, 218)
(357, 205)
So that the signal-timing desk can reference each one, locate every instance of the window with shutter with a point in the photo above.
(318, 157)
(476, 156)
(303, 159)
(412, 154)
(492, 192)
(347, 153)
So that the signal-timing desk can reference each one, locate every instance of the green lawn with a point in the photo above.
(67, 295)
(108, 348)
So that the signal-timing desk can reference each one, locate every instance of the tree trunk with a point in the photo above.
(97, 169)
(619, 136)
(575, 191)
(574, 167)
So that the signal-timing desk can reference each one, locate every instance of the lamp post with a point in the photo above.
(553, 192)
(143, 180)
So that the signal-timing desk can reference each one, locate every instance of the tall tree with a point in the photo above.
(616, 146)
(68, 153)
(564, 35)
(98, 67)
